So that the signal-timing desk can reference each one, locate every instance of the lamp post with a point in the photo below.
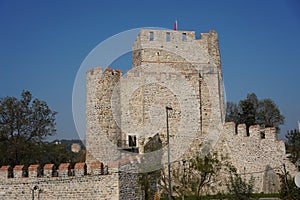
(183, 162)
(169, 165)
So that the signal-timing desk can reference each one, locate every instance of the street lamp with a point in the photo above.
(169, 165)
(183, 162)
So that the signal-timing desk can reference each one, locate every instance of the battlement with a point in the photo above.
(168, 45)
(167, 35)
(49, 170)
(255, 131)
(178, 36)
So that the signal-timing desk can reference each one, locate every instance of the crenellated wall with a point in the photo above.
(66, 182)
(258, 154)
(61, 183)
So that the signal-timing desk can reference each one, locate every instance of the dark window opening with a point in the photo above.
(132, 140)
(262, 135)
(151, 36)
(168, 37)
(183, 36)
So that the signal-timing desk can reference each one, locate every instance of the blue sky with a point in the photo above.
(43, 43)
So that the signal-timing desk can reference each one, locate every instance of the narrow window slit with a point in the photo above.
(183, 36)
(168, 37)
(151, 36)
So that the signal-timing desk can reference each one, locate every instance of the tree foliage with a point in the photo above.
(25, 123)
(148, 181)
(203, 170)
(288, 189)
(251, 111)
(293, 145)
(239, 188)
(196, 176)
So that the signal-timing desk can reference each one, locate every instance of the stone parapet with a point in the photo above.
(255, 131)
(49, 171)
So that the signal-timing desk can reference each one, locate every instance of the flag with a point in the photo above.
(175, 25)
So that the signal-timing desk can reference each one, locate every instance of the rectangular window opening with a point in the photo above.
(168, 37)
(183, 36)
(262, 135)
(151, 36)
(247, 131)
(132, 140)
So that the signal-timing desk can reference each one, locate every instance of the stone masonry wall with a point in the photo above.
(259, 155)
(183, 73)
(102, 132)
(165, 54)
(63, 183)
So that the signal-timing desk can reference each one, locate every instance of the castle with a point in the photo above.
(125, 113)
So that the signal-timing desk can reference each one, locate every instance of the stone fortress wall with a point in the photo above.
(257, 153)
(169, 68)
(160, 60)
(66, 182)
(63, 183)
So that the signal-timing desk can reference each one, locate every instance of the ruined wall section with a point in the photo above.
(260, 154)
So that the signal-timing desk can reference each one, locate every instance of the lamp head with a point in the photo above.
(169, 108)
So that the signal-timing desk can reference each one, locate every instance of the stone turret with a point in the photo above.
(102, 132)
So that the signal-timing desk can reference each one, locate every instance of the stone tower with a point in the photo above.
(126, 126)
(169, 68)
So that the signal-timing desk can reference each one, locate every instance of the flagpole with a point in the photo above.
(175, 25)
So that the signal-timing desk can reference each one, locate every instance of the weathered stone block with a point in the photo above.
(19, 171)
(64, 170)
(5, 172)
(49, 170)
(34, 171)
(80, 169)
(97, 168)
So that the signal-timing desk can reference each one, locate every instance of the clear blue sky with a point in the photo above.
(43, 43)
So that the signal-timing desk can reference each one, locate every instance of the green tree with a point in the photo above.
(58, 153)
(232, 112)
(268, 114)
(293, 145)
(148, 181)
(24, 124)
(204, 169)
(251, 111)
(248, 110)
(196, 175)
(239, 188)
(288, 189)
